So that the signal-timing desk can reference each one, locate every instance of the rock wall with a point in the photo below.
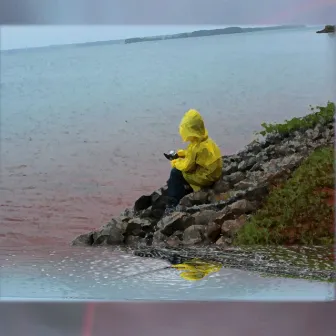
(214, 215)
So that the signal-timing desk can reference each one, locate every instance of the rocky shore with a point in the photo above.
(206, 223)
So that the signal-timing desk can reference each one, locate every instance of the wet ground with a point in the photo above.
(305, 262)
(103, 274)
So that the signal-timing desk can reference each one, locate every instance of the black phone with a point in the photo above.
(172, 155)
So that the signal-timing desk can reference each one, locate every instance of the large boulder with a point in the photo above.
(177, 221)
(110, 234)
(229, 228)
(196, 198)
(194, 235)
(212, 232)
(85, 239)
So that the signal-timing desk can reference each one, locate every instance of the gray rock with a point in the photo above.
(173, 241)
(235, 177)
(223, 215)
(221, 186)
(247, 164)
(318, 129)
(230, 168)
(221, 241)
(254, 147)
(204, 217)
(274, 139)
(282, 150)
(234, 210)
(193, 235)
(159, 238)
(177, 221)
(256, 167)
(147, 213)
(108, 236)
(142, 203)
(261, 157)
(196, 198)
(241, 207)
(137, 226)
(245, 184)
(230, 227)
(314, 134)
(129, 213)
(135, 241)
(178, 234)
(212, 232)
(270, 151)
(328, 134)
(134, 226)
(257, 194)
(85, 239)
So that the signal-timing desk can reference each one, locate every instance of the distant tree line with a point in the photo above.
(209, 32)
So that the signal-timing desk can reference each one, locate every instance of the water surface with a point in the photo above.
(82, 136)
(103, 274)
(83, 129)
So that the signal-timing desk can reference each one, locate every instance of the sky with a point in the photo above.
(118, 19)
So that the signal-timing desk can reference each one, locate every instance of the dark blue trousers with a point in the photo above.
(176, 186)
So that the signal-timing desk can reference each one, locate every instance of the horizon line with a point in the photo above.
(52, 46)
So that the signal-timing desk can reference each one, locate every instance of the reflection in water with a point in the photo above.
(103, 274)
(196, 269)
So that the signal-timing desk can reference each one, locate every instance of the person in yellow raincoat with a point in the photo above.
(199, 165)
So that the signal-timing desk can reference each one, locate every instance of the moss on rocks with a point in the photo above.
(299, 211)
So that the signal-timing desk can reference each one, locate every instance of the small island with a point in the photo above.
(209, 32)
(327, 30)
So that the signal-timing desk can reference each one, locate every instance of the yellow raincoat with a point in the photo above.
(201, 162)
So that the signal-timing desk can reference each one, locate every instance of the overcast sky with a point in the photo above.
(133, 18)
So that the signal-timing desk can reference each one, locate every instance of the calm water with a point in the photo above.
(83, 131)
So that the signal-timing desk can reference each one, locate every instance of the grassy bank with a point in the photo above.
(301, 210)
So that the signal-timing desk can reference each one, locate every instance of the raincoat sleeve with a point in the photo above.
(181, 153)
(186, 163)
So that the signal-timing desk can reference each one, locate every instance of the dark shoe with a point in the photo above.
(169, 211)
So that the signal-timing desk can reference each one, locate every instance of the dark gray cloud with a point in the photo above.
(167, 12)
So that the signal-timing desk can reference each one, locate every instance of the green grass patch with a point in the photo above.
(319, 115)
(297, 212)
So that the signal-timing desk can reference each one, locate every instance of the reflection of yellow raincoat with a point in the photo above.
(201, 162)
(196, 269)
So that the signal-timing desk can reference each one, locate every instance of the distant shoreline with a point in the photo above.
(197, 33)
(209, 32)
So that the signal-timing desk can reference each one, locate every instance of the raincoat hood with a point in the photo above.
(192, 126)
